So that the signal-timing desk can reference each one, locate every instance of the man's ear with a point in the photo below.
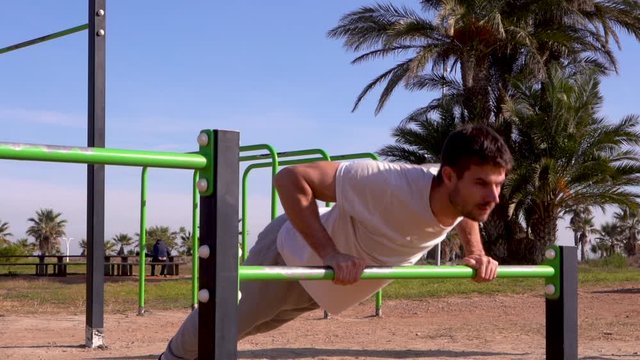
(449, 176)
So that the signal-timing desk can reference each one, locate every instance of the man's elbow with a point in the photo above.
(284, 178)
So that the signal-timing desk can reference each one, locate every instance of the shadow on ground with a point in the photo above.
(303, 353)
(618, 291)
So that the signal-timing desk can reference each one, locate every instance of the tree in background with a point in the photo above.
(47, 228)
(123, 240)
(186, 241)
(4, 233)
(628, 220)
(110, 247)
(163, 233)
(581, 223)
(479, 54)
(28, 247)
(608, 238)
(568, 155)
(83, 247)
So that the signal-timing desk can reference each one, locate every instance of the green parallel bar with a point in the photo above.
(86, 155)
(248, 273)
(55, 35)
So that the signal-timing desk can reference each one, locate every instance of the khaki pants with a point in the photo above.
(264, 306)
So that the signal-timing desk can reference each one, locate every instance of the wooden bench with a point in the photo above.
(41, 267)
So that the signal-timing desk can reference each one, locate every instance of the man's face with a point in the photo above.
(477, 192)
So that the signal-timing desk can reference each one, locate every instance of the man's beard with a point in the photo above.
(471, 212)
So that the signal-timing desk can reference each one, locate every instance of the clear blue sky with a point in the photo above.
(264, 68)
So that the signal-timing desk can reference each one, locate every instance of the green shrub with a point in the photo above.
(11, 250)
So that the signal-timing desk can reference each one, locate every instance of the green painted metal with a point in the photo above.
(142, 267)
(275, 157)
(206, 174)
(85, 155)
(250, 273)
(555, 262)
(355, 156)
(274, 169)
(379, 303)
(195, 231)
(41, 39)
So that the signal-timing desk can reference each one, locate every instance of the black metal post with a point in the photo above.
(94, 331)
(217, 332)
(562, 313)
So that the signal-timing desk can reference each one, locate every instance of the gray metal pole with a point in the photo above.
(218, 271)
(94, 330)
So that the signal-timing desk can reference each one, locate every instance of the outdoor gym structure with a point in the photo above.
(217, 165)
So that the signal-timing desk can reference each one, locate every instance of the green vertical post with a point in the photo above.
(379, 303)
(194, 241)
(274, 195)
(143, 242)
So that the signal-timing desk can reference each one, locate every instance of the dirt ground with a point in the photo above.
(473, 327)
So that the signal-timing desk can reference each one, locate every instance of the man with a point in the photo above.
(385, 214)
(160, 255)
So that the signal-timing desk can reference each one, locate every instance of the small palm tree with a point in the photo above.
(629, 222)
(608, 238)
(28, 247)
(123, 240)
(600, 248)
(83, 246)
(186, 241)
(47, 228)
(110, 247)
(163, 233)
(4, 233)
(581, 223)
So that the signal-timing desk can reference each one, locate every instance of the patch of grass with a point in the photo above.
(416, 289)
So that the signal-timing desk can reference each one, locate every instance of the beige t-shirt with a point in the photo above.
(381, 215)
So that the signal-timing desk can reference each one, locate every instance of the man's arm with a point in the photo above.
(299, 187)
(486, 267)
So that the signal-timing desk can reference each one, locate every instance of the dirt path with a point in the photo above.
(475, 327)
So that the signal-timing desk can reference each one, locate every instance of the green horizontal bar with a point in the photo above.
(248, 273)
(85, 155)
(283, 154)
(355, 156)
(55, 35)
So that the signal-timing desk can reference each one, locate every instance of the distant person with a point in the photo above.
(160, 255)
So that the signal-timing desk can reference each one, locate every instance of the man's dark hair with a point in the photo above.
(474, 145)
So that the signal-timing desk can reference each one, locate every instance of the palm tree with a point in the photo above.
(569, 156)
(28, 247)
(47, 228)
(163, 233)
(4, 233)
(464, 41)
(83, 246)
(489, 42)
(186, 241)
(123, 240)
(110, 247)
(629, 222)
(608, 238)
(581, 223)
(599, 248)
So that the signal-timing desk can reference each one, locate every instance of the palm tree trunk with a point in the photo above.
(544, 226)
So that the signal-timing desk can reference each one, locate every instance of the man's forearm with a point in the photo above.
(469, 232)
